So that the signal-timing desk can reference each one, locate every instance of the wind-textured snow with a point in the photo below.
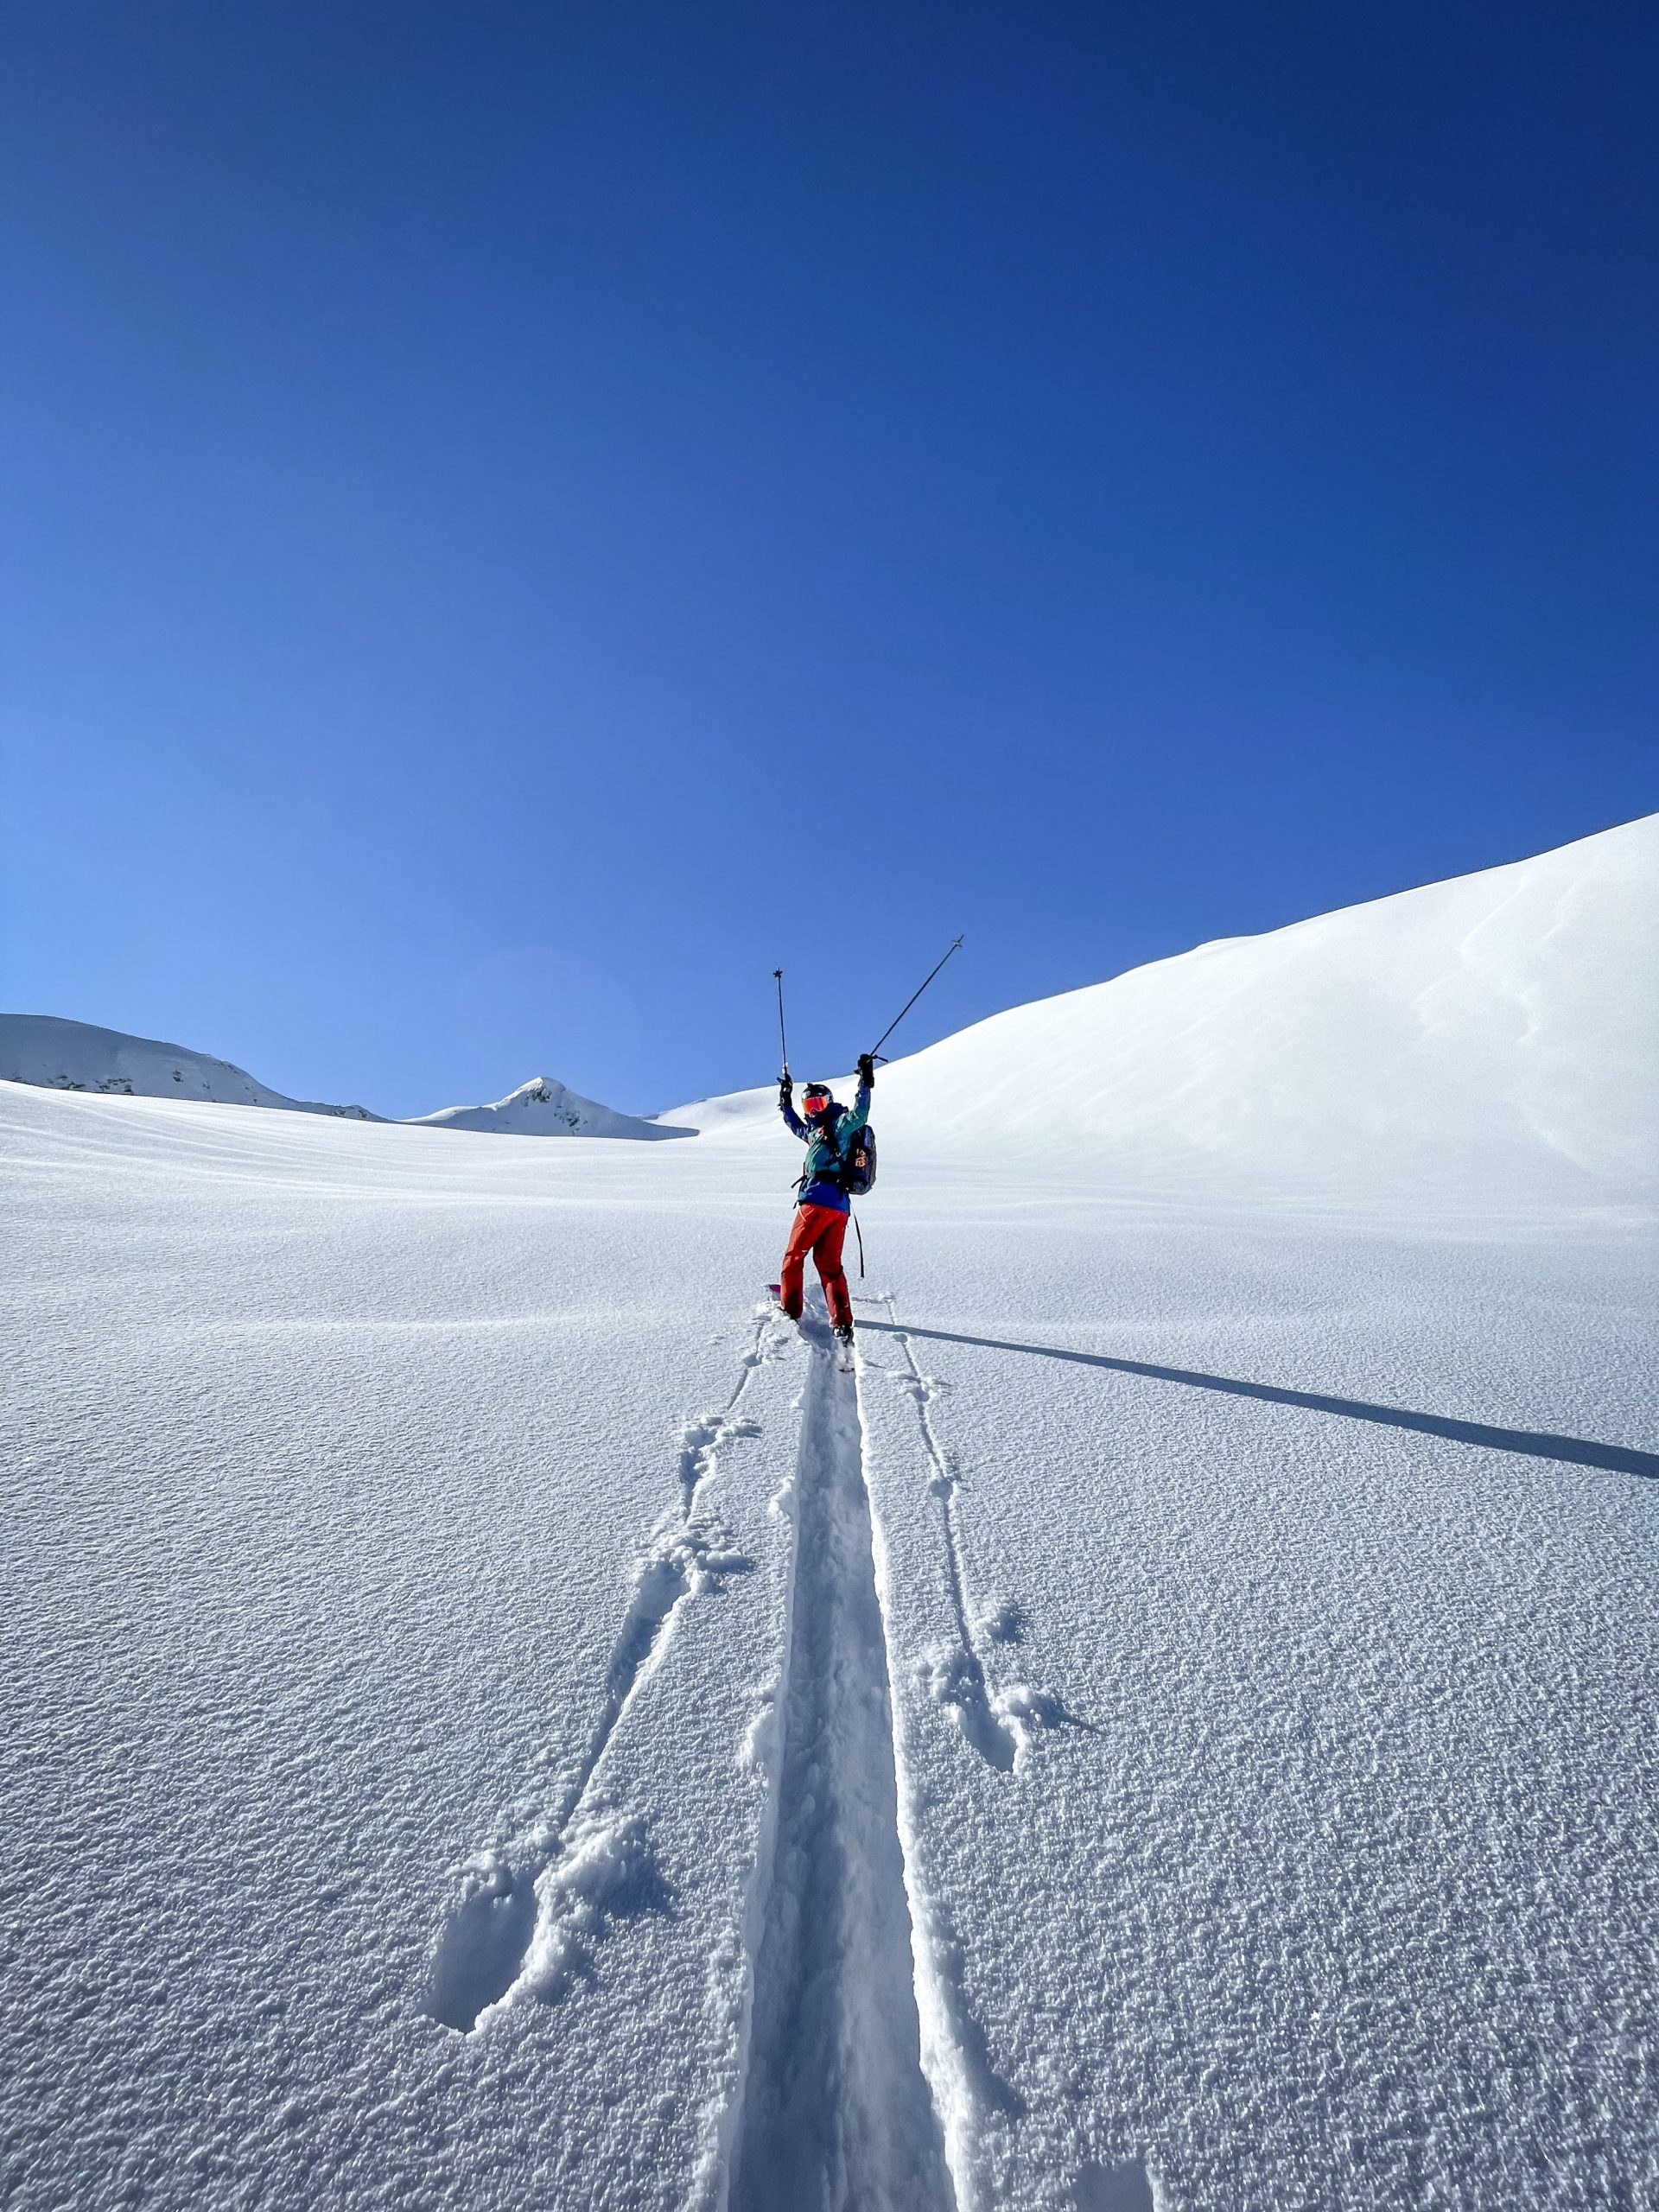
(494, 1718)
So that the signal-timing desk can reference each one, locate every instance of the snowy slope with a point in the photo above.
(542, 1108)
(40, 1048)
(494, 1718)
(1503, 1027)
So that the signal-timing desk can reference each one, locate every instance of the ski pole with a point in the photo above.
(782, 1041)
(910, 1002)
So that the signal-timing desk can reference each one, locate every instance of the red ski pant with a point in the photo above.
(819, 1230)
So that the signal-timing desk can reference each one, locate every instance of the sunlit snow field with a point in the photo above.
(1200, 1751)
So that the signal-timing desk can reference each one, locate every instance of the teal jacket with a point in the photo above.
(827, 1138)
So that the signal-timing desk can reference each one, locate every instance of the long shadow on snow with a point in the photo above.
(1616, 1459)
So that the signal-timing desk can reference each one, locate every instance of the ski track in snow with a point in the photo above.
(1354, 1906)
(862, 2076)
(856, 2072)
(999, 1723)
(529, 1908)
(833, 2110)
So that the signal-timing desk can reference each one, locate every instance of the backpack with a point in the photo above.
(858, 1165)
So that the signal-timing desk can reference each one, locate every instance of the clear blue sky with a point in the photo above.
(519, 518)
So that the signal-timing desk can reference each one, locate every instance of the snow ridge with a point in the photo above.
(525, 1908)
(1495, 1033)
(55, 1054)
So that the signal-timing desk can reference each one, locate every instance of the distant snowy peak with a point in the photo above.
(542, 1108)
(58, 1055)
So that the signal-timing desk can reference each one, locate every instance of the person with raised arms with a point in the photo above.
(830, 1132)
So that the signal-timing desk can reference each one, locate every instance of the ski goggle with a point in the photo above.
(816, 1101)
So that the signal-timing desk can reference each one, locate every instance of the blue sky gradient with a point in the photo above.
(519, 519)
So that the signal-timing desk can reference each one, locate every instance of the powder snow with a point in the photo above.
(493, 1716)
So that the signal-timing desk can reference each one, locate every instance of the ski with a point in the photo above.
(845, 1358)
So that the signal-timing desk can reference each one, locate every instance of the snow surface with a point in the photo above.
(542, 1108)
(1503, 1027)
(41, 1048)
(493, 1717)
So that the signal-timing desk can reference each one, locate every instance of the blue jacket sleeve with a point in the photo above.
(857, 1113)
(792, 1121)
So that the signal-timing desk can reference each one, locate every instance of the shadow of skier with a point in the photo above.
(1616, 1458)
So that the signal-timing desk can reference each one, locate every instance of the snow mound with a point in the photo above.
(60, 1055)
(541, 1108)
(1499, 1029)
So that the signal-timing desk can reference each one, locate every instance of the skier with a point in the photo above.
(821, 1208)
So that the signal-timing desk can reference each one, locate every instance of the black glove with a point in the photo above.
(786, 1090)
(866, 1070)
